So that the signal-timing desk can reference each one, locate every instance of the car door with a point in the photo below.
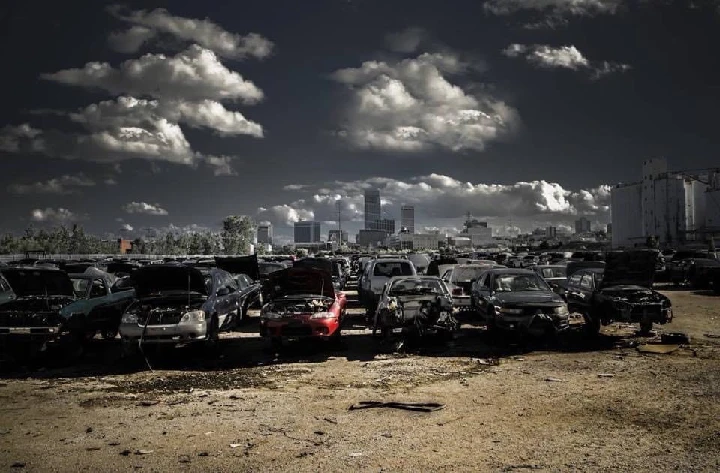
(483, 294)
(585, 292)
(574, 299)
(226, 293)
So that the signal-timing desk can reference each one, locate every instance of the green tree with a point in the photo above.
(237, 234)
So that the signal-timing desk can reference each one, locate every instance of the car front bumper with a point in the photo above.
(176, 333)
(291, 329)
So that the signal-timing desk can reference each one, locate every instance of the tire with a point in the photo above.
(592, 326)
(109, 333)
(212, 337)
(645, 327)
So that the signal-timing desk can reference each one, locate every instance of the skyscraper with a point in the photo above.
(372, 209)
(582, 225)
(265, 234)
(407, 218)
(307, 232)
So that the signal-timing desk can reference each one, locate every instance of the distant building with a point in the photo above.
(307, 232)
(338, 236)
(478, 232)
(407, 218)
(371, 238)
(583, 225)
(672, 207)
(265, 234)
(386, 225)
(551, 232)
(373, 209)
(420, 241)
(609, 228)
(124, 246)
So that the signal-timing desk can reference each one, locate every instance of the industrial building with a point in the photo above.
(583, 225)
(307, 232)
(407, 218)
(672, 207)
(478, 232)
(338, 236)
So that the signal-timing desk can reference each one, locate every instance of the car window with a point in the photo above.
(575, 280)
(390, 269)
(586, 282)
(80, 287)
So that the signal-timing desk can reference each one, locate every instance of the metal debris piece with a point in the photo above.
(408, 406)
(606, 375)
(674, 338)
(554, 380)
(657, 348)
(144, 452)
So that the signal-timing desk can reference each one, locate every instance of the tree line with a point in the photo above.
(236, 237)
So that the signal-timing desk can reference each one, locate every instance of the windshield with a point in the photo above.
(519, 282)
(266, 268)
(416, 286)
(39, 283)
(554, 272)
(390, 269)
(466, 274)
(80, 286)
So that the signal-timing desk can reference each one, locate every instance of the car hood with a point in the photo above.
(629, 268)
(528, 297)
(247, 265)
(39, 282)
(296, 281)
(159, 278)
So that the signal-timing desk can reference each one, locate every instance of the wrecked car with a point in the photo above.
(519, 300)
(413, 308)
(246, 272)
(325, 264)
(99, 305)
(459, 282)
(554, 275)
(33, 316)
(178, 304)
(697, 273)
(621, 292)
(301, 303)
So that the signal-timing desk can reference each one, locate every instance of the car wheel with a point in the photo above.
(109, 333)
(213, 332)
(592, 325)
(645, 327)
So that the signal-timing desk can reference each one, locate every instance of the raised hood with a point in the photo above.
(296, 281)
(247, 265)
(625, 268)
(155, 279)
(39, 282)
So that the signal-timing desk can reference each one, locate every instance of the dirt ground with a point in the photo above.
(594, 407)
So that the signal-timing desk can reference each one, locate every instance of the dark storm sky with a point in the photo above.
(572, 130)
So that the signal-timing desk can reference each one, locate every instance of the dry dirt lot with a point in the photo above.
(599, 407)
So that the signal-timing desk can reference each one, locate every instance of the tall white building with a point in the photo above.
(669, 206)
(265, 234)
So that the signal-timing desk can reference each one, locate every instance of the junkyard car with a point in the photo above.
(246, 272)
(460, 283)
(33, 316)
(520, 300)
(554, 275)
(413, 308)
(6, 292)
(698, 273)
(179, 304)
(624, 293)
(301, 303)
(377, 273)
(99, 305)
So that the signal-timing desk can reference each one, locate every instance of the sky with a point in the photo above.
(153, 116)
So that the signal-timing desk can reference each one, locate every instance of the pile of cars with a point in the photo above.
(406, 297)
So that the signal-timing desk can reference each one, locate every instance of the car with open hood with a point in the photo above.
(33, 315)
(179, 304)
(519, 300)
(622, 292)
(301, 302)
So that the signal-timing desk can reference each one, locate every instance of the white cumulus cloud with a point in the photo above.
(65, 184)
(144, 208)
(148, 24)
(56, 216)
(286, 214)
(411, 105)
(564, 57)
(193, 74)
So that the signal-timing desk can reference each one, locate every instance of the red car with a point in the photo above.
(302, 303)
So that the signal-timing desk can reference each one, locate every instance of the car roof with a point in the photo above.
(589, 270)
(510, 271)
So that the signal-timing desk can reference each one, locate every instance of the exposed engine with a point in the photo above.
(33, 311)
(633, 304)
(297, 306)
(435, 312)
(164, 310)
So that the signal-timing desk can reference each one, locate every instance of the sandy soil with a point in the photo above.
(594, 407)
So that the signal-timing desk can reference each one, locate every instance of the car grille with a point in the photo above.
(296, 331)
(535, 310)
(25, 319)
(157, 317)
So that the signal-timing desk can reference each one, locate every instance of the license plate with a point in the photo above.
(397, 330)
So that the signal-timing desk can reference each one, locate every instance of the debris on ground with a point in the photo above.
(675, 338)
(606, 375)
(554, 380)
(657, 348)
(408, 406)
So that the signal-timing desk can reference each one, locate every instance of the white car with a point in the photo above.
(377, 273)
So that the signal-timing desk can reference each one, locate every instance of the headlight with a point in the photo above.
(561, 310)
(323, 315)
(129, 318)
(506, 310)
(193, 316)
